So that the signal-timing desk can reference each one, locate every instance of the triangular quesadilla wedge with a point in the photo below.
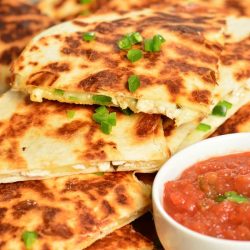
(234, 88)
(234, 71)
(186, 64)
(239, 122)
(19, 22)
(69, 212)
(125, 238)
(68, 9)
(54, 139)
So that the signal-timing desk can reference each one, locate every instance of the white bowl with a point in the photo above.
(173, 235)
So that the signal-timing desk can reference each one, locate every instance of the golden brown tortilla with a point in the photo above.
(19, 22)
(69, 212)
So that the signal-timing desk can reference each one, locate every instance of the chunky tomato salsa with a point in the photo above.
(212, 197)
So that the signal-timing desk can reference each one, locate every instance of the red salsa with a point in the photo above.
(212, 197)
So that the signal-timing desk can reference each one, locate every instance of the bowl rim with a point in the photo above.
(156, 196)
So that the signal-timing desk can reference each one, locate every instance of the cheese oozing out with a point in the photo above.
(173, 111)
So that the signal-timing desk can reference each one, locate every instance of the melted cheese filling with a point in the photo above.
(50, 172)
(180, 114)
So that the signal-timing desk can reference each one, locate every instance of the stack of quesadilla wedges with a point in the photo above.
(193, 79)
(62, 140)
(73, 134)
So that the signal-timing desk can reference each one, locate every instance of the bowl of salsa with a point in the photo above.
(201, 196)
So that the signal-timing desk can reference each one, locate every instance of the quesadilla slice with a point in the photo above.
(233, 90)
(64, 10)
(87, 71)
(67, 9)
(125, 238)
(234, 72)
(239, 122)
(54, 139)
(69, 212)
(19, 22)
